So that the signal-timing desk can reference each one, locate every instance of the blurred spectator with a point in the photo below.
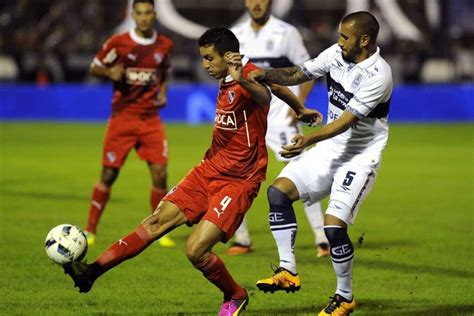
(50, 41)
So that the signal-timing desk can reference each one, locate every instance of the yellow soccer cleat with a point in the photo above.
(90, 238)
(166, 242)
(282, 280)
(338, 306)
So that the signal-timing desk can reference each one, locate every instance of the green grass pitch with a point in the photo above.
(417, 223)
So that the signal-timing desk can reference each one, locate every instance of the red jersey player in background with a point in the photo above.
(137, 62)
(216, 194)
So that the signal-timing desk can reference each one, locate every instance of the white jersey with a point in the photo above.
(277, 44)
(365, 90)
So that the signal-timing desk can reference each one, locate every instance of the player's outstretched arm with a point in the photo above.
(289, 76)
(309, 116)
(258, 91)
(300, 142)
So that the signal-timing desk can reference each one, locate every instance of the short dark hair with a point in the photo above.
(365, 23)
(152, 2)
(222, 38)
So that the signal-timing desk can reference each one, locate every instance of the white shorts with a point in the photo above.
(280, 135)
(317, 175)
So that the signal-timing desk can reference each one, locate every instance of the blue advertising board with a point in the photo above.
(195, 103)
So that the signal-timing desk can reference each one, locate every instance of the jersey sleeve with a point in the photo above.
(107, 55)
(166, 64)
(297, 52)
(245, 72)
(319, 66)
(374, 91)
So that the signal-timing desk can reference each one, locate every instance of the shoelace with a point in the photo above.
(333, 304)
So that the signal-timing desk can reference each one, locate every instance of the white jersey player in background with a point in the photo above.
(273, 43)
(344, 163)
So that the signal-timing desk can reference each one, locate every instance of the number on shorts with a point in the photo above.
(225, 202)
(349, 178)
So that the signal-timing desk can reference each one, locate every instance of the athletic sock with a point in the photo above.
(98, 201)
(242, 235)
(156, 195)
(213, 269)
(342, 257)
(315, 217)
(283, 226)
(126, 248)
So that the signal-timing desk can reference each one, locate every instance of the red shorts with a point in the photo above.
(146, 135)
(223, 202)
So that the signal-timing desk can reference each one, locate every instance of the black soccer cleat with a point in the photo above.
(80, 274)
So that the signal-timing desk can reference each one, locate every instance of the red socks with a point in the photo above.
(214, 270)
(99, 200)
(155, 197)
(126, 248)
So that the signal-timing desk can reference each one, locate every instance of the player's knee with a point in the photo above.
(340, 243)
(108, 176)
(151, 225)
(276, 197)
(194, 251)
(281, 209)
(160, 178)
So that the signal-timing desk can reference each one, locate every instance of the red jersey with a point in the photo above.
(144, 60)
(238, 147)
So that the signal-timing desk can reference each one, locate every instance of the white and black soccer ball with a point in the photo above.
(66, 243)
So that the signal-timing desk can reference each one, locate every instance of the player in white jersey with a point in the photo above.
(273, 43)
(344, 163)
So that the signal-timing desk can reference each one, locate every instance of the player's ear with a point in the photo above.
(364, 40)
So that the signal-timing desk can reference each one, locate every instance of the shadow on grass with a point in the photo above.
(58, 196)
(385, 307)
(406, 268)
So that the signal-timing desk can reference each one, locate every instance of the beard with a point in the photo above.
(351, 55)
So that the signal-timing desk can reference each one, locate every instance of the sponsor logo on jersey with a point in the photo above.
(231, 96)
(270, 45)
(356, 82)
(226, 120)
(140, 76)
(158, 58)
(338, 96)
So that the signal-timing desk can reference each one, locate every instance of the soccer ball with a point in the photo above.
(66, 243)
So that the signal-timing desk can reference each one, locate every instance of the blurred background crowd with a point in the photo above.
(53, 41)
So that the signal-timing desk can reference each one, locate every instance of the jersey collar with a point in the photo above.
(371, 60)
(229, 78)
(268, 24)
(140, 40)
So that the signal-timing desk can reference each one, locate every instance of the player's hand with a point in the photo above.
(161, 101)
(116, 72)
(310, 117)
(234, 63)
(295, 147)
(256, 75)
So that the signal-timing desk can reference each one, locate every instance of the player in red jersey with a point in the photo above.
(216, 194)
(137, 62)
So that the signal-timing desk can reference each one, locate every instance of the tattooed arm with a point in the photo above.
(289, 76)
